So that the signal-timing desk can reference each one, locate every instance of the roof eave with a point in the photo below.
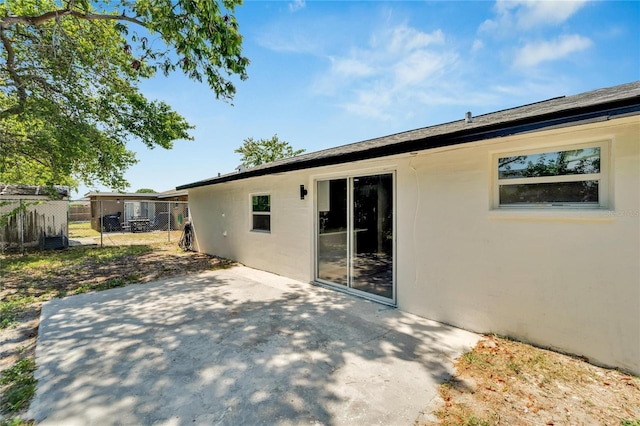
(603, 111)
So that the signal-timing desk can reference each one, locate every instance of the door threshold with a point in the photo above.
(358, 294)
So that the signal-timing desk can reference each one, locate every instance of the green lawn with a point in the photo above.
(41, 276)
(81, 230)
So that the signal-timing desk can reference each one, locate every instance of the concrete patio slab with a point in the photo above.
(237, 347)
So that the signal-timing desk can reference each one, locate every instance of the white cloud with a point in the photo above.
(294, 42)
(397, 65)
(371, 103)
(297, 5)
(528, 14)
(536, 13)
(420, 66)
(407, 39)
(351, 67)
(477, 45)
(534, 53)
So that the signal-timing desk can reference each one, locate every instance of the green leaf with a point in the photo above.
(70, 103)
(264, 151)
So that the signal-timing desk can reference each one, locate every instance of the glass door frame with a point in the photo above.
(350, 220)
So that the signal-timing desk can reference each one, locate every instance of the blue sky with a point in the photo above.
(328, 73)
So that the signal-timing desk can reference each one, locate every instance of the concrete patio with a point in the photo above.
(237, 347)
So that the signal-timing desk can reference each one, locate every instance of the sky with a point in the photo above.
(329, 73)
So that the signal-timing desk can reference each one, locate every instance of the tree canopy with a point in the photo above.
(256, 152)
(69, 76)
(145, 191)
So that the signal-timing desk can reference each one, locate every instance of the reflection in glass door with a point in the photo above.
(355, 234)
(332, 231)
(372, 235)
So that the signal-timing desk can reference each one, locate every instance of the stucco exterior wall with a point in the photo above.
(566, 279)
(221, 217)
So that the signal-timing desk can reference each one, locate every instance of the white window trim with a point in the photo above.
(602, 177)
(252, 213)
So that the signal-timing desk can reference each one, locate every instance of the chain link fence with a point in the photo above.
(51, 224)
(27, 223)
(127, 222)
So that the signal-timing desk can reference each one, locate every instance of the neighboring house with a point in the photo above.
(127, 206)
(523, 222)
(29, 213)
(177, 206)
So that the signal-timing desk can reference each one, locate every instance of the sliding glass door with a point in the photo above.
(355, 239)
(332, 231)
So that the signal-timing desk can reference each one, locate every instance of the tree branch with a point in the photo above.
(8, 21)
(22, 94)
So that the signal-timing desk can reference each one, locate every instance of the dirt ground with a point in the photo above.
(503, 382)
(500, 382)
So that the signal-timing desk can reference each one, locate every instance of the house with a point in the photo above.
(522, 222)
(120, 207)
(29, 213)
(177, 206)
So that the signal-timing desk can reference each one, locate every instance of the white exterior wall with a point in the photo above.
(221, 217)
(566, 279)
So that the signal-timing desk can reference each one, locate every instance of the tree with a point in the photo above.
(69, 76)
(263, 151)
(145, 191)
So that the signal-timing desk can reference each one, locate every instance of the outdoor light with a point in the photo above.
(303, 192)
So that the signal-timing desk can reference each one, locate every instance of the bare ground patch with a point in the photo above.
(503, 382)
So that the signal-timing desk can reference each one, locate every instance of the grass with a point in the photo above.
(16, 422)
(48, 261)
(41, 276)
(10, 309)
(114, 238)
(81, 230)
(505, 382)
(19, 386)
(35, 272)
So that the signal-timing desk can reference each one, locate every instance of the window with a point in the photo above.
(565, 177)
(261, 213)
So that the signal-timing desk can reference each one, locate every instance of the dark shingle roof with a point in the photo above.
(595, 105)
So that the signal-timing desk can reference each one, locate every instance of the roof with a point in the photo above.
(121, 194)
(138, 195)
(595, 105)
(34, 190)
(172, 193)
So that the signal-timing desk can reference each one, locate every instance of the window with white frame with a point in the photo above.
(261, 213)
(568, 176)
